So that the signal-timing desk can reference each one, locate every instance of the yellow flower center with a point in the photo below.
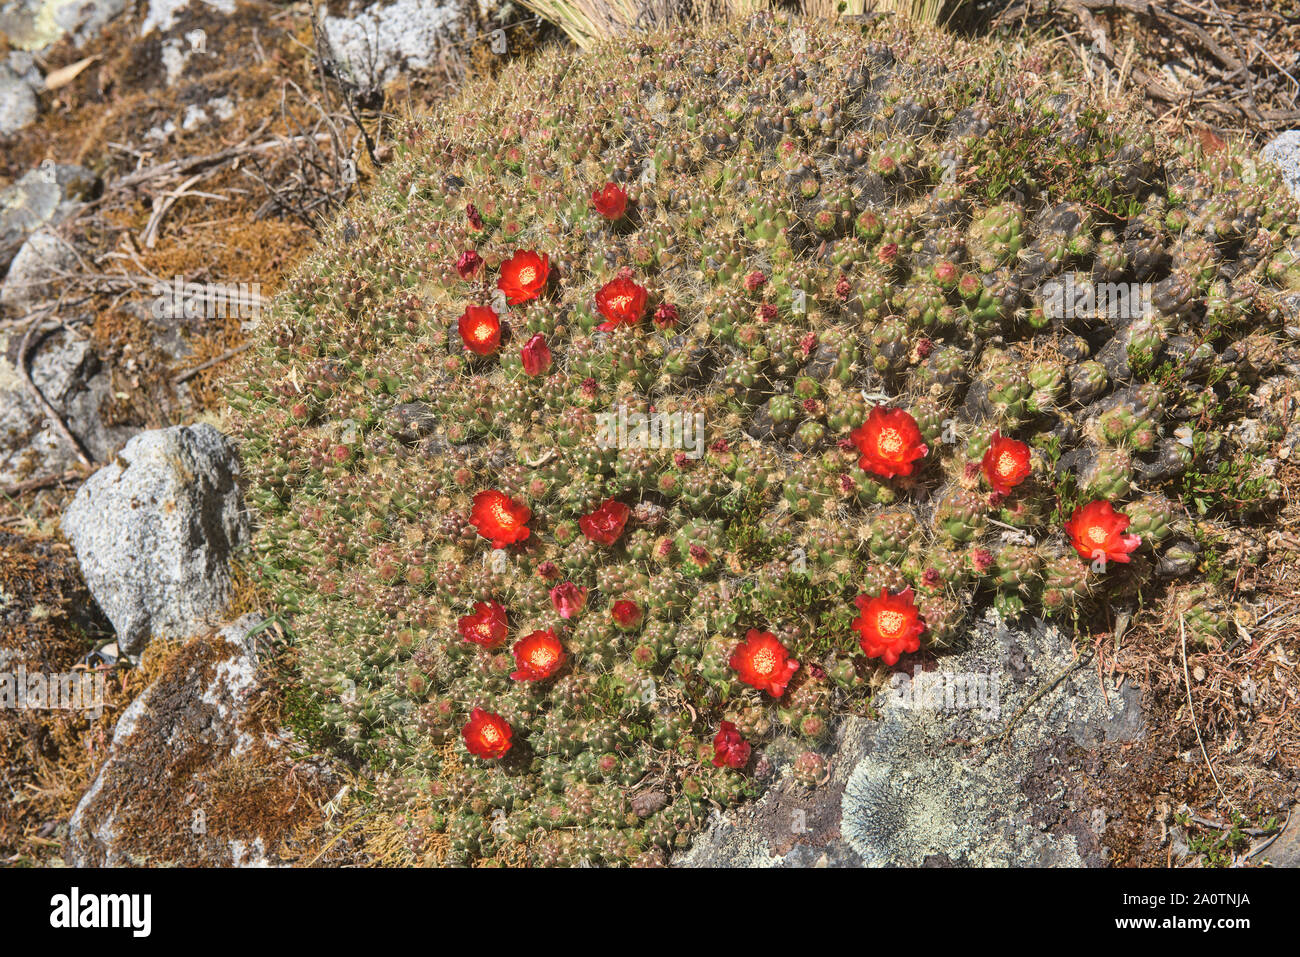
(502, 515)
(1007, 464)
(764, 661)
(527, 275)
(482, 332)
(889, 442)
(620, 302)
(490, 734)
(890, 622)
(1097, 535)
(541, 657)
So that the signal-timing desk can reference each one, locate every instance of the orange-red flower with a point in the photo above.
(500, 518)
(536, 355)
(486, 626)
(889, 442)
(480, 329)
(610, 201)
(1096, 530)
(626, 614)
(538, 655)
(762, 662)
(1006, 464)
(889, 625)
(568, 599)
(605, 524)
(487, 735)
(730, 750)
(523, 276)
(622, 302)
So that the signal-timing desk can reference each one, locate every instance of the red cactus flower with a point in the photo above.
(480, 330)
(536, 355)
(486, 626)
(626, 614)
(487, 735)
(523, 276)
(500, 518)
(610, 201)
(568, 599)
(889, 442)
(730, 750)
(471, 214)
(889, 625)
(605, 524)
(538, 655)
(468, 263)
(1006, 464)
(666, 316)
(762, 662)
(1096, 530)
(622, 302)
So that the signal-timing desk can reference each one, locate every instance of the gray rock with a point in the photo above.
(40, 259)
(1284, 150)
(69, 374)
(902, 792)
(374, 42)
(18, 105)
(42, 196)
(154, 533)
(36, 24)
(156, 798)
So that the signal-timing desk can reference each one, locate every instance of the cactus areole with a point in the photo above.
(798, 357)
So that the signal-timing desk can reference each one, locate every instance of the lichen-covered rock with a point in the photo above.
(41, 196)
(192, 776)
(907, 790)
(1284, 150)
(18, 104)
(154, 533)
(70, 375)
(37, 262)
(374, 41)
(36, 24)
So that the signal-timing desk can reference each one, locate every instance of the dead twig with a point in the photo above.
(52, 413)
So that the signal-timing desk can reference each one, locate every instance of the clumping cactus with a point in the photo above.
(660, 398)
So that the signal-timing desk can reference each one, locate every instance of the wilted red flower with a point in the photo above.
(1096, 530)
(523, 276)
(1006, 464)
(889, 625)
(889, 442)
(622, 302)
(730, 750)
(480, 329)
(568, 599)
(755, 280)
(610, 201)
(626, 614)
(487, 735)
(471, 214)
(605, 524)
(486, 626)
(536, 355)
(538, 655)
(762, 662)
(666, 316)
(500, 518)
(468, 263)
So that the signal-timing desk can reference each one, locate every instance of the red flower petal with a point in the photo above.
(536, 355)
(762, 662)
(1096, 531)
(605, 524)
(1006, 464)
(610, 201)
(622, 302)
(889, 442)
(500, 518)
(538, 656)
(480, 329)
(889, 625)
(523, 276)
(487, 735)
(486, 626)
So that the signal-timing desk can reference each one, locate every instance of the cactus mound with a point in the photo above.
(688, 447)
